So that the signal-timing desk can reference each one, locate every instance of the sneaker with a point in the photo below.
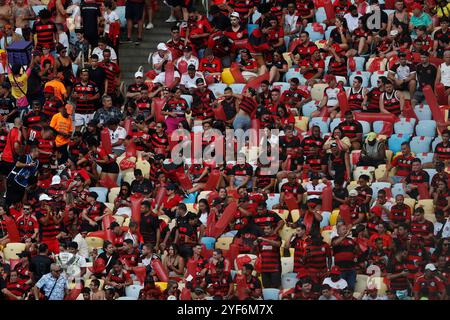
(171, 19)
(149, 26)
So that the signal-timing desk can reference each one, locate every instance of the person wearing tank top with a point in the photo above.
(443, 74)
(391, 101)
(399, 16)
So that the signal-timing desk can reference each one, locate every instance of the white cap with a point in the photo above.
(138, 74)
(235, 15)
(171, 298)
(394, 33)
(353, 193)
(18, 31)
(44, 197)
(162, 46)
(56, 180)
(430, 267)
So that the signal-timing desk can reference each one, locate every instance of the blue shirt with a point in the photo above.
(46, 284)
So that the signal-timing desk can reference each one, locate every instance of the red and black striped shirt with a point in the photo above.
(270, 255)
(51, 107)
(86, 89)
(248, 105)
(45, 33)
(400, 213)
(374, 96)
(344, 253)
(112, 71)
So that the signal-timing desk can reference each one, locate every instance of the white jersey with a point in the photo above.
(331, 94)
(445, 74)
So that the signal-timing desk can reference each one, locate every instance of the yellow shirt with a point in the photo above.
(59, 87)
(61, 124)
(20, 82)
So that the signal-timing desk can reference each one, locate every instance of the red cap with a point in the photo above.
(49, 89)
(416, 6)
(335, 270)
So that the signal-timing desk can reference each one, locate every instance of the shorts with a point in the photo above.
(6, 168)
(134, 11)
(82, 119)
(403, 86)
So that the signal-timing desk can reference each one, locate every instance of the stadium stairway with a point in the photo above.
(132, 56)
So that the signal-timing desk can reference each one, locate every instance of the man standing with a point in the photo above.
(134, 13)
(443, 73)
(54, 285)
(62, 123)
(426, 75)
(12, 150)
(18, 179)
(90, 12)
(85, 94)
(269, 249)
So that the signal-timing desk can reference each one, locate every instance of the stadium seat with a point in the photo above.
(128, 177)
(271, 294)
(327, 63)
(237, 87)
(328, 32)
(325, 219)
(335, 123)
(323, 123)
(423, 112)
(223, 243)
(289, 280)
(411, 203)
(295, 215)
(431, 172)
(272, 199)
(309, 107)
(374, 77)
(286, 233)
(283, 86)
(426, 128)
(405, 126)
(421, 144)
(120, 11)
(293, 73)
(427, 205)
(378, 126)
(363, 74)
(217, 88)
(321, 16)
(282, 213)
(112, 195)
(377, 282)
(209, 242)
(376, 186)
(119, 219)
(359, 61)
(315, 35)
(326, 234)
(361, 282)
(37, 8)
(192, 207)
(102, 192)
(397, 189)
(190, 198)
(380, 172)
(94, 242)
(287, 264)
(365, 126)
(74, 68)
(317, 92)
(382, 67)
(334, 217)
(144, 165)
(396, 140)
(389, 155)
(302, 123)
(251, 256)
(368, 170)
(161, 285)
(126, 222)
(188, 99)
(435, 142)
(12, 249)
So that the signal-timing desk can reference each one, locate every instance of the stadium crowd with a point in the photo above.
(347, 93)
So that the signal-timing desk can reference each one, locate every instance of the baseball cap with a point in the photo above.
(335, 270)
(162, 46)
(371, 136)
(191, 67)
(113, 225)
(139, 74)
(55, 180)
(235, 15)
(200, 82)
(49, 89)
(44, 197)
(430, 267)
(353, 193)
(187, 48)
(394, 33)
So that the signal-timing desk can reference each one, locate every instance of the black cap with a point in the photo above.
(315, 176)
(199, 80)
(113, 225)
(187, 48)
(191, 67)
(171, 187)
